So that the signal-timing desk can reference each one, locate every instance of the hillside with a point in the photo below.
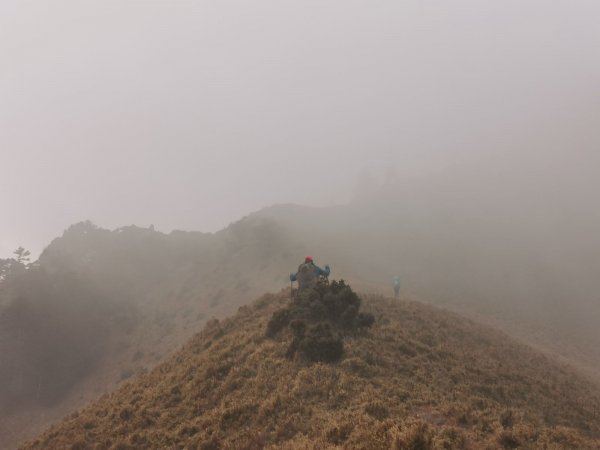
(419, 378)
(100, 306)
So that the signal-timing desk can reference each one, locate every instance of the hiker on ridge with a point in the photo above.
(396, 286)
(308, 274)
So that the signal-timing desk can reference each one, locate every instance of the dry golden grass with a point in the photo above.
(420, 378)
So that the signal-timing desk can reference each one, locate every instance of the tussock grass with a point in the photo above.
(420, 378)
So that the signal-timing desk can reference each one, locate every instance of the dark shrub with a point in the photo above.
(318, 318)
(318, 343)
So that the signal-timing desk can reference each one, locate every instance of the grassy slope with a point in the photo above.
(420, 376)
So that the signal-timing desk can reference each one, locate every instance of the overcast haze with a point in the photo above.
(190, 115)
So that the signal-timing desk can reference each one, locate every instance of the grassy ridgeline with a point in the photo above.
(420, 377)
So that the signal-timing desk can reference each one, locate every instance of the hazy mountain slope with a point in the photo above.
(103, 305)
(100, 306)
(482, 237)
(420, 378)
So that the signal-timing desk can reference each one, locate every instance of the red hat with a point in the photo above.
(308, 258)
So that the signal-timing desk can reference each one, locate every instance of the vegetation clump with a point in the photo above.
(318, 320)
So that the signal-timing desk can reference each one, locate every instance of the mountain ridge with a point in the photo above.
(157, 288)
(420, 376)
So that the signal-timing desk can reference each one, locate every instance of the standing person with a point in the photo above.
(396, 286)
(308, 274)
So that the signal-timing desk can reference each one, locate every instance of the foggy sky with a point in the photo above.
(192, 114)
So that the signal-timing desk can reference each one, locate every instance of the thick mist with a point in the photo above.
(509, 237)
(189, 116)
(454, 144)
(459, 142)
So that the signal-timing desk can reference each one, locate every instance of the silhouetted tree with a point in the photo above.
(22, 255)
